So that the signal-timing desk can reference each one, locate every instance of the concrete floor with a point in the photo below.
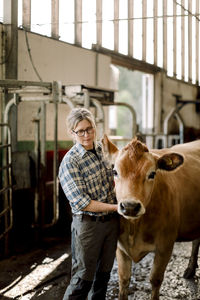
(44, 274)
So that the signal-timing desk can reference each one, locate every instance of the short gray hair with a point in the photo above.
(77, 115)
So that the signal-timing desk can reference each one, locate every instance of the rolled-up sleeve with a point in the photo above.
(73, 185)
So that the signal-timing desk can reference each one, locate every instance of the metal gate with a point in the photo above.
(6, 188)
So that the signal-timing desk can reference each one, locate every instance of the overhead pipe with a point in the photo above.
(181, 127)
(86, 99)
(173, 112)
(68, 101)
(100, 115)
(10, 103)
(133, 113)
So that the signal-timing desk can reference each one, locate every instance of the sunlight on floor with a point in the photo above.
(38, 274)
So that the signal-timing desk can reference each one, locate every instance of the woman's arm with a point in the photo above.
(97, 206)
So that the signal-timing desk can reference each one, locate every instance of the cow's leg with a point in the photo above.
(192, 265)
(161, 260)
(124, 270)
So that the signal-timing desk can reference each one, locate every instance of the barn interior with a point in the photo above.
(134, 64)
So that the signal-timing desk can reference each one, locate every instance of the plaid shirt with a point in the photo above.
(85, 177)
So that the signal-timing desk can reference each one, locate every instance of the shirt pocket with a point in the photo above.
(93, 181)
(92, 175)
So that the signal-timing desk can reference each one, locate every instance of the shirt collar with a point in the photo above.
(80, 149)
(83, 151)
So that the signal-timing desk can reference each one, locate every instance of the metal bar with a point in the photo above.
(78, 22)
(19, 83)
(144, 30)
(183, 40)
(3, 212)
(197, 44)
(5, 146)
(26, 14)
(190, 42)
(43, 134)
(29, 90)
(37, 98)
(55, 19)
(5, 167)
(86, 99)
(6, 231)
(155, 31)
(174, 38)
(116, 25)
(100, 116)
(56, 96)
(37, 163)
(165, 35)
(99, 22)
(130, 28)
(133, 113)
(55, 161)
(5, 189)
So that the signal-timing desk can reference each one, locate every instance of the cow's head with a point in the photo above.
(135, 171)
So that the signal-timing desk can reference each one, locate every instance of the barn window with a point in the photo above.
(164, 33)
(89, 23)
(107, 24)
(40, 21)
(66, 19)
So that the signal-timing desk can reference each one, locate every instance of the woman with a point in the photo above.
(89, 186)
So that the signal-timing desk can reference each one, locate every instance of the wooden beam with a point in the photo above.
(144, 30)
(189, 42)
(183, 40)
(130, 28)
(197, 43)
(78, 22)
(99, 22)
(55, 19)
(174, 39)
(127, 61)
(26, 14)
(155, 31)
(116, 25)
(165, 35)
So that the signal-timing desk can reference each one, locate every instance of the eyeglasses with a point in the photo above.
(82, 132)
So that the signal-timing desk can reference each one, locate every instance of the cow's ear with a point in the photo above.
(109, 149)
(170, 161)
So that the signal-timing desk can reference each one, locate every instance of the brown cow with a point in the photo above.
(158, 194)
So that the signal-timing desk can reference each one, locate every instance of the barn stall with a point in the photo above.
(43, 75)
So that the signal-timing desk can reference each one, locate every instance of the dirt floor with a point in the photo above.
(44, 274)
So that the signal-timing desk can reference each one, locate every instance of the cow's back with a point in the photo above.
(185, 183)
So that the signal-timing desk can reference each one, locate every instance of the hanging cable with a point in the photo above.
(30, 55)
(187, 10)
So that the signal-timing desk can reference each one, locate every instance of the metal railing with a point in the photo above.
(6, 188)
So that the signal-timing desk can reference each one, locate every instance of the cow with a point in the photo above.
(158, 195)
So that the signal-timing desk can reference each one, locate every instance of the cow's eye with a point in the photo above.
(115, 172)
(152, 175)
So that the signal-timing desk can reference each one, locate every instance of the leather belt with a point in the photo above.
(103, 218)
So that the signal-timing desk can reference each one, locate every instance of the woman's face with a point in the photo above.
(84, 134)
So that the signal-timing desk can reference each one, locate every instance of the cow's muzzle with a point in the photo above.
(131, 209)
